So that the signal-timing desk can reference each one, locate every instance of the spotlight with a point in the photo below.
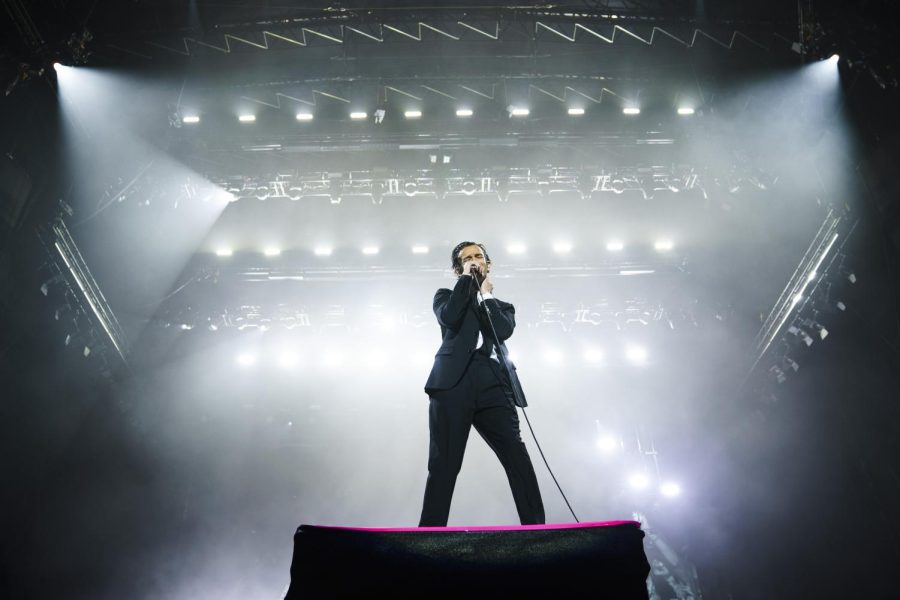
(224, 252)
(684, 110)
(631, 111)
(413, 114)
(517, 111)
(464, 112)
(420, 249)
(370, 250)
(552, 356)
(593, 356)
(576, 111)
(247, 118)
(562, 247)
(516, 248)
(614, 246)
(304, 117)
(322, 251)
(834, 58)
(636, 354)
(272, 251)
(246, 359)
(639, 481)
(332, 359)
(288, 360)
(356, 116)
(607, 443)
(670, 489)
(663, 245)
(191, 119)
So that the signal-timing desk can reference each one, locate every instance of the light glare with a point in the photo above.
(304, 117)
(615, 246)
(420, 249)
(191, 119)
(358, 115)
(516, 248)
(464, 112)
(562, 247)
(272, 251)
(631, 111)
(224, 252)
(519, 112)
(247, 118)
(412, 114)
(670, 489)
(685, 110)
(370, 250)
(576, 111)
(323, 251)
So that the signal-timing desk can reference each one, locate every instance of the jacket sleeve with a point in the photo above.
(450, 306)
(504, 316)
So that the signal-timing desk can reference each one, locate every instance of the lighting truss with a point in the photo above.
(63, 249)
(803, 284)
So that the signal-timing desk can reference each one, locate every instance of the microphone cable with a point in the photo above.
(476, 274)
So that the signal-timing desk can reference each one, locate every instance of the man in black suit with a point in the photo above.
(468, 386)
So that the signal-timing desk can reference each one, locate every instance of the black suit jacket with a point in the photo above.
(456, 312)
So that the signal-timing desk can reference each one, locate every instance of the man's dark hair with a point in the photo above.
(457, 263)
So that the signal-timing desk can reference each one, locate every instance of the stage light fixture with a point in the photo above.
(191, 119)
(663, 245)
(247, 118)
(517, 111)
(685, 110)
(636, 354)
(607, 443)
(357, 115)
(576, 112)
(552, 356)
(322, 251)
(614, 246)
(670, 489)
(420, 249)
(516, 248)
(370, 250)
(593, 356)
(304, 116)
(631, 110)
(245, 359)
(834, 58)
(464, 112)
(272, 251)
(562, 247)
(224, 252)
(332, 359)
(288, 360)
(639, 481)
(413, 114)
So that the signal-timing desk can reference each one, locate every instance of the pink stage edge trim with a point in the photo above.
(488, 528)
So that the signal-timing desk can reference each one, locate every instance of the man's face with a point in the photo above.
(474, 253)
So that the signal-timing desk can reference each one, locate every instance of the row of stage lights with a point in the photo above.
(288, 360)
(610, 444)
(662, 245)
(463, 113)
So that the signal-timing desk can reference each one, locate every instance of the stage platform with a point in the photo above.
(600, 559)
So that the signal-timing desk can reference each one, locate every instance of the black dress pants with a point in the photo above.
(481, 399)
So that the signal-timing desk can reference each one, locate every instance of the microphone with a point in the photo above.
(475, 271)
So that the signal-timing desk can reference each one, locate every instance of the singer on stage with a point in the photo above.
(468, 385)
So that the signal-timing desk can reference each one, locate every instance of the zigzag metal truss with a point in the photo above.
(446, 93)
(385, 31)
